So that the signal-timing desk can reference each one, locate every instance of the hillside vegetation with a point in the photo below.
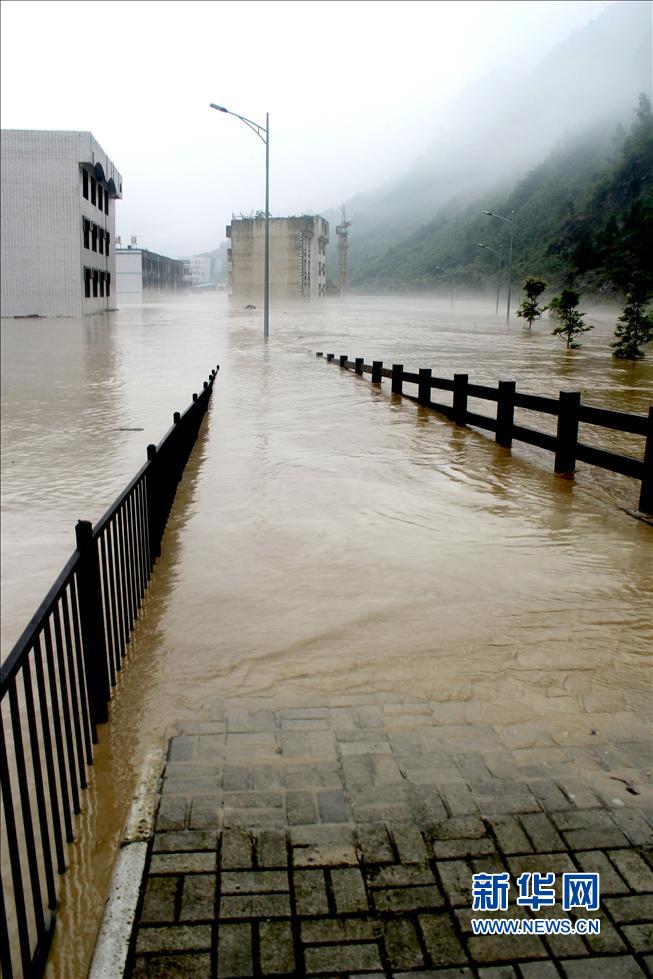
(583, 218)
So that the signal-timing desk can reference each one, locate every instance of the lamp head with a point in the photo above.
(220, 108)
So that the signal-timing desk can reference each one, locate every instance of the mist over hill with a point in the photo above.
(558, 124)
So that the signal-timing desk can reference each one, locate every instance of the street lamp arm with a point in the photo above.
(254, 126)
(498, 216)
(493, 250)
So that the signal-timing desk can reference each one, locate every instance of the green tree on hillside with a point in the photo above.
(570, 321)
(529, 309)
(635, 325)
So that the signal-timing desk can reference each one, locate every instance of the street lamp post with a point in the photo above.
(511, 222)
(500, 254)
(263, 133)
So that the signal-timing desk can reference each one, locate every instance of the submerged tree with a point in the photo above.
(570, 321)
(529, 309)
(635, 325)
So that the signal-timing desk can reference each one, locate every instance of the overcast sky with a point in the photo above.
(353, 89)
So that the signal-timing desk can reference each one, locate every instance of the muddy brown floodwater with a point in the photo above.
(327, 537)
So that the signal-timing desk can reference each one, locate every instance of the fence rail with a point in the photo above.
(567, 409)
(56, 683)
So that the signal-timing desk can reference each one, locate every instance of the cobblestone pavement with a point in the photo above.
(341, 840)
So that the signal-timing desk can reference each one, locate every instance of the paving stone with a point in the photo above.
(237, 778)
(400, 875)
(235, 950)
(316, 775)
(189, 786)
(402, 944)
(186, 840)
(271, 848)
(174, 938)
(324, 855)
(397, 899)
(376, 747)
(332, 806)
(182, 748)
(472, 766)
(640, 937)
(387, 812)
(267, 777)
(253, 800)
(634, 826)
(186, 769)
(255, 906)
(345, 958)
(595, 861)
(441, 941)
(410, 844)
(432, 974)
(459, 828)
(250, 819)
(459, 800)
(545, 863)
(497, 948)
(172, 967)
(550, 796)
(264, 720)
(182, 863)
(239, 720)
(210, 747)
(507, 802)
(276, 948)
(498, 972)
(594, 839)
(204, 812)
(294, 745)
(607, 942)
(620, 967)
(456, 877)
(450, 849)
(374, 843)
(198, 897)
(510, 835)
(326, 930)
(538, 970)
(579, 793)
(253, 881)
(304, 713)
(160, 899)
(637, 908)
(171, 814)
(310, 892)
(348, 890)
(427, 803)
(300, 808)
(237, 849)
(633, 869)
(542, 833)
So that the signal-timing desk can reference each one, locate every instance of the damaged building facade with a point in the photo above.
(297, 258)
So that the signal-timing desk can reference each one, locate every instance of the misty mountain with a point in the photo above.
(583, 217)
(503, 126)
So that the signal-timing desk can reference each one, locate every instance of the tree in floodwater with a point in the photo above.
(635, 325)
(570, 321)
(529, 309)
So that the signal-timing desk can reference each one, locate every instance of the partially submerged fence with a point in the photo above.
(567, 409)
(56, 683)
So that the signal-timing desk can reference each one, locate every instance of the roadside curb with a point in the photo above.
(112, 945)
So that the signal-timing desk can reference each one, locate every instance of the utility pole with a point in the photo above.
(343, 244)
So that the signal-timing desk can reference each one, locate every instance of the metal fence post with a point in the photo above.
(96, 667)
(343, 360)
(153, 505)
(460, 398)
(358, 365)
(567, 435)
(505, 413)
(397, 378)
(377, 367)
(646, 493)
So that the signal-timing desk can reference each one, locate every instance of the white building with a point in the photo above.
(58, 224)
(202, 269)
(142, 274)
(297, 257)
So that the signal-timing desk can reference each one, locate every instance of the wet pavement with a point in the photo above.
(341, 839)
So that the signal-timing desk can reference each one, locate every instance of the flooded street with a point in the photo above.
(327, 538)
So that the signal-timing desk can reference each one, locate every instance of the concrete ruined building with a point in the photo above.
(297, 257)
(342, 235)
(141, 274)
(59, 191)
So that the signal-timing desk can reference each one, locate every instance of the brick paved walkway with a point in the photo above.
(341, 840)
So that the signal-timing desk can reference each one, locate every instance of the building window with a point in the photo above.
(108, 284)
(101, 241)
(100, 201)
(87, 283)
(106, 243)
(95, 283)
(94, 236)
(85, 183)
(87, 233)
(102, 285)
(93, 190)
(106, 202)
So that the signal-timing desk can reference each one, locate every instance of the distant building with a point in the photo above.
(58, 224)
(141, 274)
(202, 269)
(297, 257)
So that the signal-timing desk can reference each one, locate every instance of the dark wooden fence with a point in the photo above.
(56, 684)
(567, 409)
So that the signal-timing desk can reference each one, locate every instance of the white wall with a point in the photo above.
(129, 274)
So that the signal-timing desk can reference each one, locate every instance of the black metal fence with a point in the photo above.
(56, 684)
(568, 410)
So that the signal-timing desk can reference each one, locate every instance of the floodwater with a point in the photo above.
(327, 537)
